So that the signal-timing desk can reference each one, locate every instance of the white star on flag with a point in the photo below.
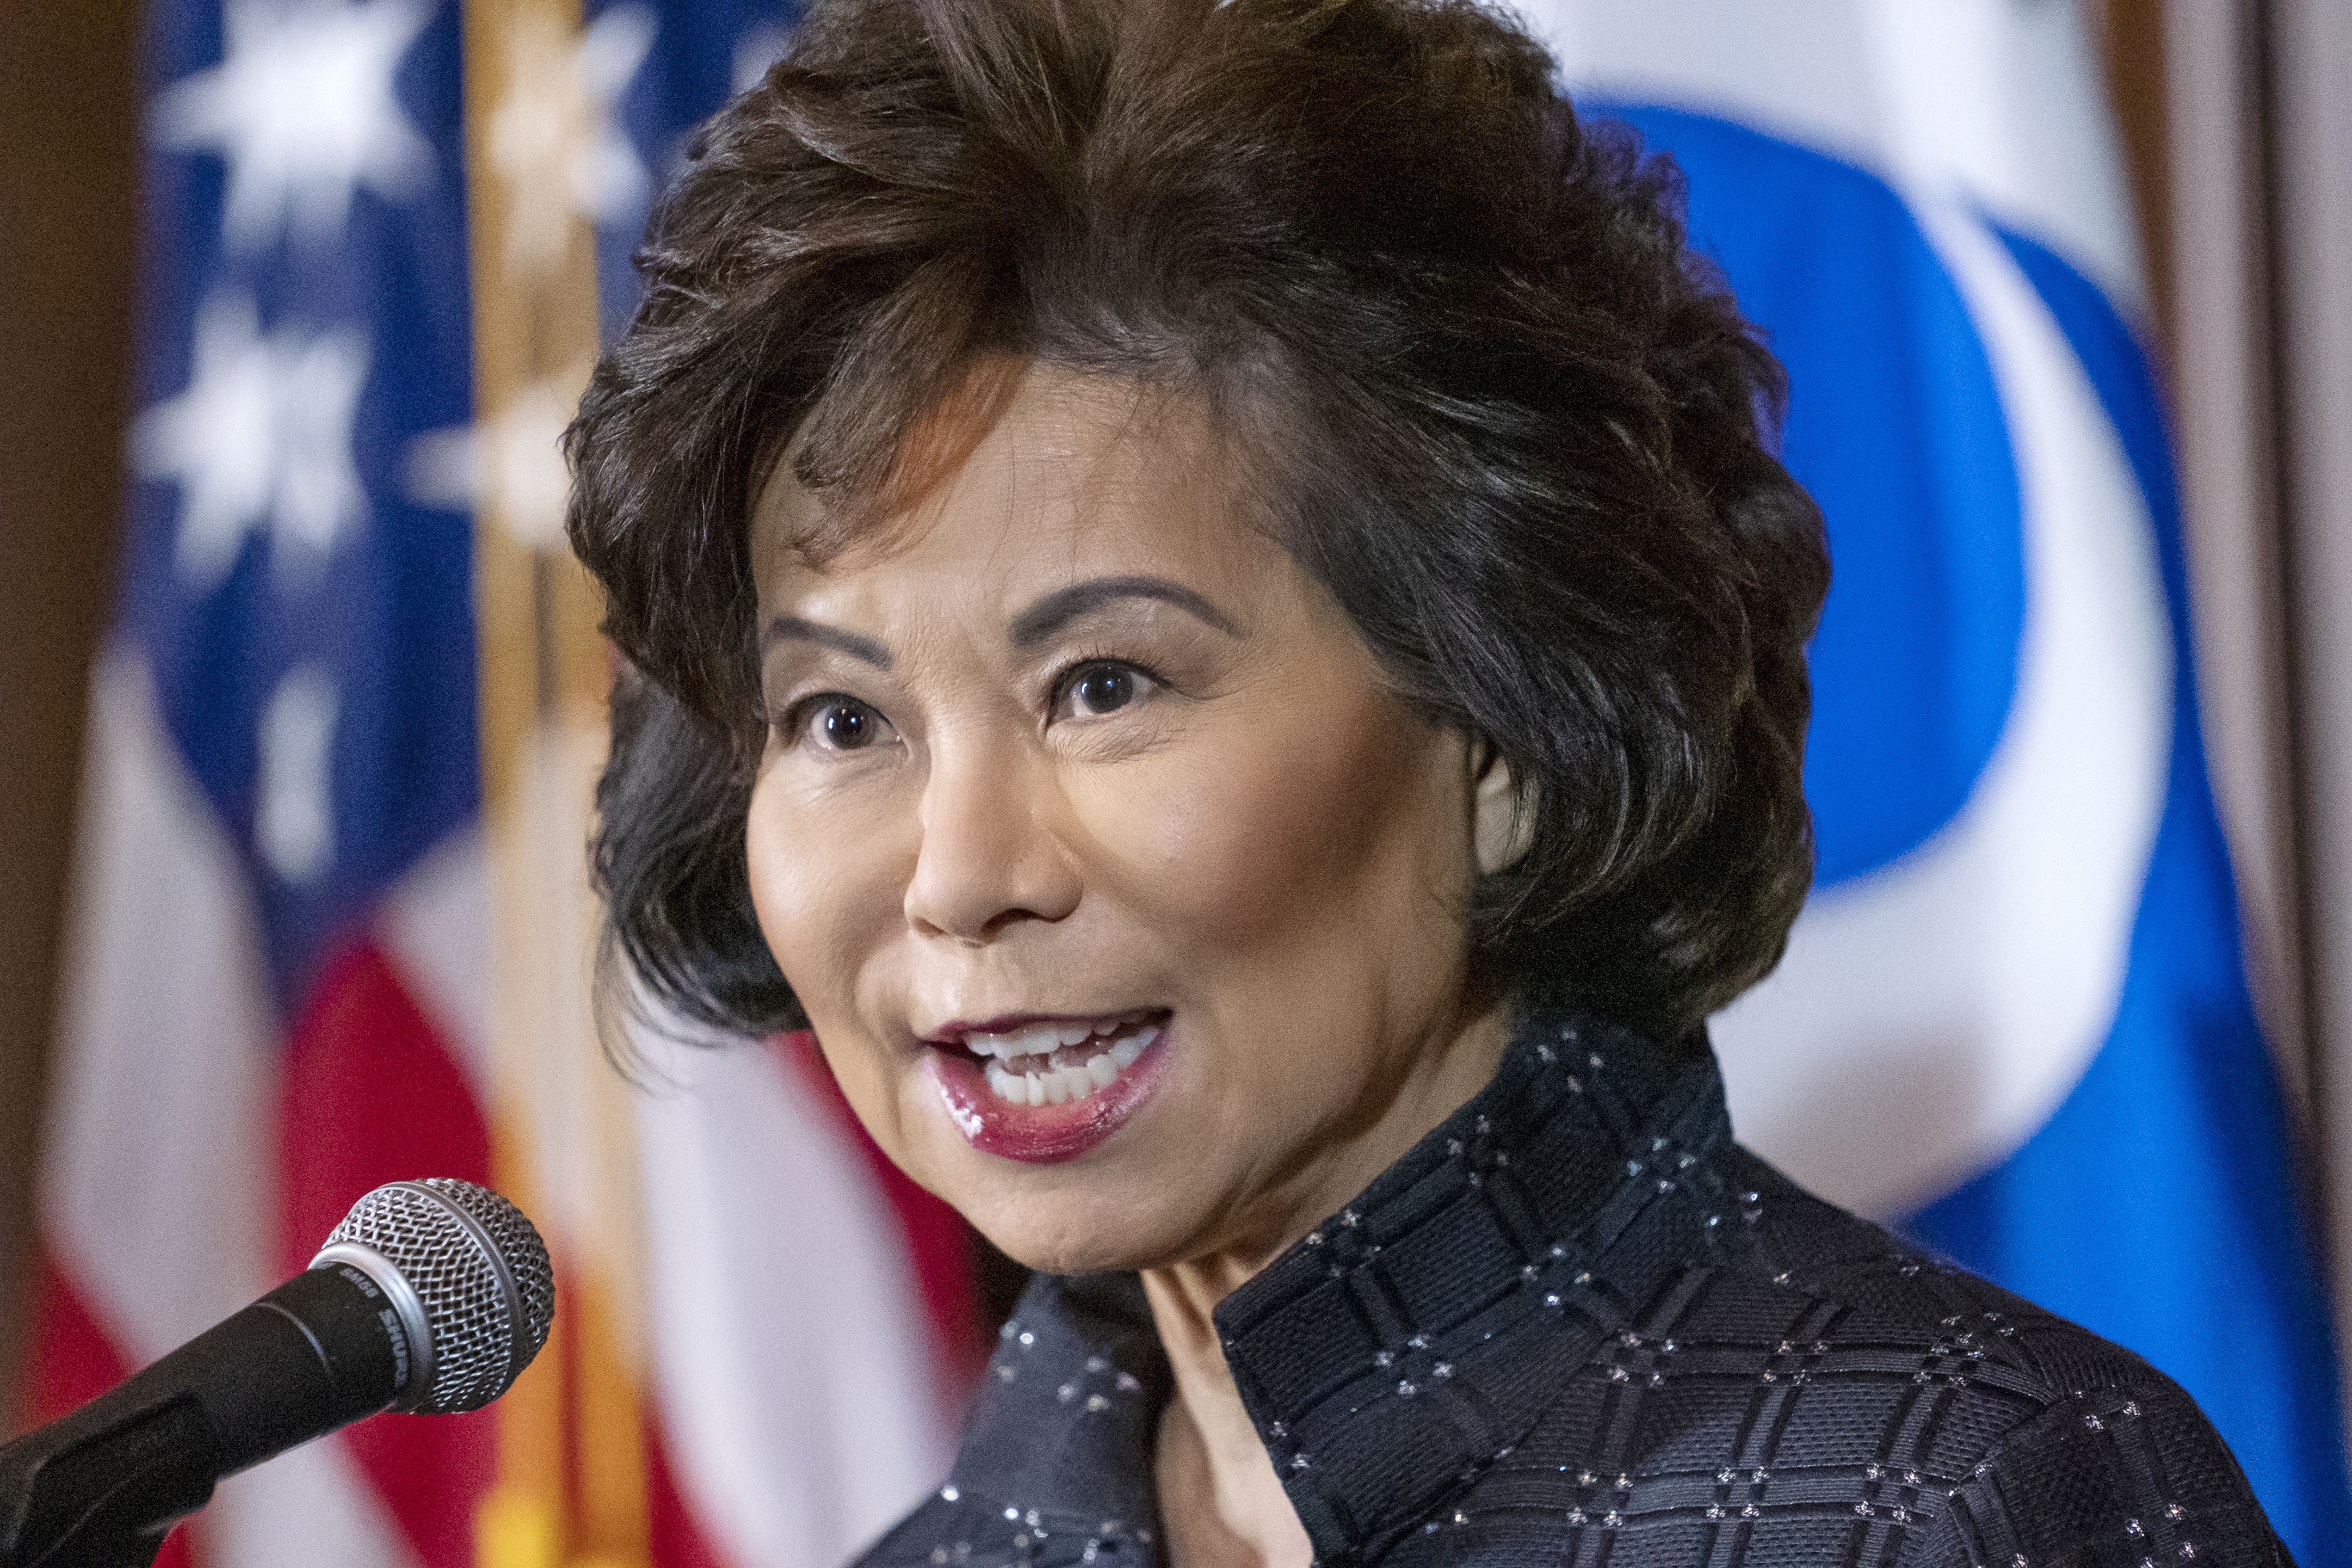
(511, 463)
(303, 110)
(553, 137)
(260, 441)
(294, 824)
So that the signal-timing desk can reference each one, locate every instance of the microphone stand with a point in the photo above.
(349, 1336)
(102, 1487)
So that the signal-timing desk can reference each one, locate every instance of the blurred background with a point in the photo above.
(301, 705)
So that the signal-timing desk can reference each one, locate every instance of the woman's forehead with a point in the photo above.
(1075, 475)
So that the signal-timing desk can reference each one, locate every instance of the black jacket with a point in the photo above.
(1578, 1325)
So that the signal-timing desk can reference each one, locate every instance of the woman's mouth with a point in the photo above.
(1044, 1090)
(1049, 1062)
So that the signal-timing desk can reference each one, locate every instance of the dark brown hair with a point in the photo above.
(1452, 334)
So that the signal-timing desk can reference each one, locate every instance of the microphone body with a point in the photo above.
(431, 1296)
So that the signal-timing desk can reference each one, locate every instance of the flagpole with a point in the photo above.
(571, 1484)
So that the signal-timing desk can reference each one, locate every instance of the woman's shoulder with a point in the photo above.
(1953, 1421)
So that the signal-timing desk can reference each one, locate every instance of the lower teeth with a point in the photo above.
(1055, 1085)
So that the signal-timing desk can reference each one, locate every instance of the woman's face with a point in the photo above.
(1126, 903)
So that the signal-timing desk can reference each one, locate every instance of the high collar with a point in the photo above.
(1384, 1358)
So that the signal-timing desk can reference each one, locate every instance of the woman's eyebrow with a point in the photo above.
(1041, 621)
(792, 628)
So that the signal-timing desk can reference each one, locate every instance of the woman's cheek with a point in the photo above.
(1232, 837)
(778, 861)
(820, 895)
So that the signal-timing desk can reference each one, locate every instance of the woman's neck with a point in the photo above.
(1220, 1500)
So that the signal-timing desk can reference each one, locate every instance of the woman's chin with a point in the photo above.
(1084, 1228)
(1050, 1249)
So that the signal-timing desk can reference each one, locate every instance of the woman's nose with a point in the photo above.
(990, 858)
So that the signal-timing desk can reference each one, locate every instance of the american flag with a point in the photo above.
(330, 918)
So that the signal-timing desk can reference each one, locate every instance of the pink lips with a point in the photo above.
(1040, 1134)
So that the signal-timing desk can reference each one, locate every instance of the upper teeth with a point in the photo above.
(1052, 1085)
(1039, 1039)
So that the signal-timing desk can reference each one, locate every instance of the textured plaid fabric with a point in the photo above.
(1580, 1325)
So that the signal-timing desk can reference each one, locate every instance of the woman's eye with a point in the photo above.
(843, 724)
(1103, 687)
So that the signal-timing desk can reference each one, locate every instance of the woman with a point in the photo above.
(1211, 606)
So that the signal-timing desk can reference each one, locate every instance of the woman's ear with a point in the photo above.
(1502, 815)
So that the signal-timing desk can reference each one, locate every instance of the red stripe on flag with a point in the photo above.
(371, 1095)
(940, 1241)
(676, 1541)
(72, 1361)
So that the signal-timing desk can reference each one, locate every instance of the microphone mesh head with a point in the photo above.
(481, 1272)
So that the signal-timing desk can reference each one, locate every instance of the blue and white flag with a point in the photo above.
(2013, 1016)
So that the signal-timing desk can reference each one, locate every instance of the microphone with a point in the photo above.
(431, 1297)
